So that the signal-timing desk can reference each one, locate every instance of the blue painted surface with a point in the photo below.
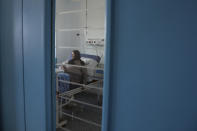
(25, 65)
(153, 65)
(37, 64)
(152, 76)
(11, 67)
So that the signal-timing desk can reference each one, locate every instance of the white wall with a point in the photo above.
(71, 23)
(96, 18)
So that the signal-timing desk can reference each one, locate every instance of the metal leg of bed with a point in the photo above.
(68, 96)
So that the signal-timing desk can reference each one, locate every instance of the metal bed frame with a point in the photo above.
(67, 97)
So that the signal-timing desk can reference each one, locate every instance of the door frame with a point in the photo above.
(106, 91)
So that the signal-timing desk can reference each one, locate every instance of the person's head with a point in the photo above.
(76, 55)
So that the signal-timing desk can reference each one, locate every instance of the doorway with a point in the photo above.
(80, 42)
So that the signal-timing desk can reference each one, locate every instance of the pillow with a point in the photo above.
(90, 63)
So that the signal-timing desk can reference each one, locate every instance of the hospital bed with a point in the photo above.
(65, 95)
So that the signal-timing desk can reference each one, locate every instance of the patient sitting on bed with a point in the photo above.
(77, 74)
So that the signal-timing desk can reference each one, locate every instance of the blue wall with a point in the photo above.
(37, 64)
(11, 69)
(153, 65)
(25, 71)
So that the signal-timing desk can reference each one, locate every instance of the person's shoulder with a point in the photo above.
(70, 61)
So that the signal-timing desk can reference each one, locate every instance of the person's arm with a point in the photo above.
(64, 68)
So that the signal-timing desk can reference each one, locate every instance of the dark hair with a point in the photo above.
(77, 55)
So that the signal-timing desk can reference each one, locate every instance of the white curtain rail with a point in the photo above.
(81, 119)
(59, 64)
(81, 102)
(83, 85)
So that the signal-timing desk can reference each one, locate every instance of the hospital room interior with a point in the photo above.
(79, 57)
